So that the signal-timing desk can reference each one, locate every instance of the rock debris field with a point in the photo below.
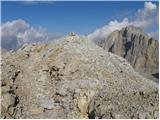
(73, 78)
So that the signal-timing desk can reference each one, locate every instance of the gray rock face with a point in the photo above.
(136, 47)
(73, 78)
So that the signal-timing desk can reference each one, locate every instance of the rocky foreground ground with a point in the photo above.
(73, 78)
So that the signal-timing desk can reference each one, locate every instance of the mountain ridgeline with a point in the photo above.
(140, 50)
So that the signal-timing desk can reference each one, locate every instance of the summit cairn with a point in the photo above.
(72, 34)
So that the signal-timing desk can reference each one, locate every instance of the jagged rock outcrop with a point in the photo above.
(136, 47)
(73, 78)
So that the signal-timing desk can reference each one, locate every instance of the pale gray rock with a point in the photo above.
(74, 78)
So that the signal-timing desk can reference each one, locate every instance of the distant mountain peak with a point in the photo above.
(133, 44)
(133, 29)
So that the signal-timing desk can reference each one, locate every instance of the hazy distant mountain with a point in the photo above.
(75, 78)
(137, 47)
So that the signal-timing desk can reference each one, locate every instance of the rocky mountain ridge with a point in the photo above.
(73, 78)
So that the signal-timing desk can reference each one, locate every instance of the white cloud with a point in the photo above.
(107, 29)
(9, 29)
(32, 35)
(144, 18)
(150, 6)
(17, 32)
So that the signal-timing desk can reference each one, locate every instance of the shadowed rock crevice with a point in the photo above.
(128, 46)
(92, 114)
(156, 75)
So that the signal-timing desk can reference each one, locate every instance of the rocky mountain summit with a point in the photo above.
(136, 47)
(73, 78)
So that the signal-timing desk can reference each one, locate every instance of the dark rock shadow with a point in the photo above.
(156, 75)
(92, 114)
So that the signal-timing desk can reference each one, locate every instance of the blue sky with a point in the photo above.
(81, 17)
(29, 22)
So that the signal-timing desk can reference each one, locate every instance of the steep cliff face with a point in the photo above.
(136, 47)
(73, 78)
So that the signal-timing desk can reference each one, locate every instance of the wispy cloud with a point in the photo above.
(144, 18)
(34, 2)
(154, 34)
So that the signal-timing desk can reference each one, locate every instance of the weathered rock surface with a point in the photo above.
(136, 47)
(73, 78)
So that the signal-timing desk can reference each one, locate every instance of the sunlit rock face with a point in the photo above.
(73, 78)
(140, 50)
